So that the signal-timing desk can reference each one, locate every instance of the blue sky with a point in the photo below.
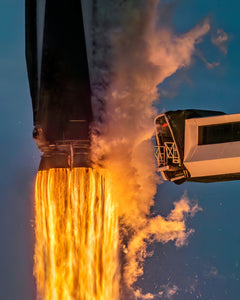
(18, 164)
(211, 261)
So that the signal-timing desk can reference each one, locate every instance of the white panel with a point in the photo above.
(214, 159)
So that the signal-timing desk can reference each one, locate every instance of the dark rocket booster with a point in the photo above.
(59, 82)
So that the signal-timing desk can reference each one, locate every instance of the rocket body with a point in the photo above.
(59, 82)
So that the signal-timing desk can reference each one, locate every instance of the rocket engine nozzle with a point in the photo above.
(62, 153)
(71, 157)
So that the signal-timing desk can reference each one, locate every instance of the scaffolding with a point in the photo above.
(167, 155)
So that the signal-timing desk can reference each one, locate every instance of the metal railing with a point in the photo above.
(167, 154)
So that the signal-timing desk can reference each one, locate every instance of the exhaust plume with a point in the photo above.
(76, 250)
(78, 209)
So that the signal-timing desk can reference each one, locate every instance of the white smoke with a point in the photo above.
(168, 291)
(131, 56)
(221, 40)
(141, 56)
(158, 229)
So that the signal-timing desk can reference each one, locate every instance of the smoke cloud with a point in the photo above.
(158, 229)
(168, 291)
(142, 56)
(221, 40)
(138, 55)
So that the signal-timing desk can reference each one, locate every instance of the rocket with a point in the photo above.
(59, 82)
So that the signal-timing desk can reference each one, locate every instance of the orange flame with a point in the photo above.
(76, 251)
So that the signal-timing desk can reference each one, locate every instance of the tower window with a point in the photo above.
(219, 133)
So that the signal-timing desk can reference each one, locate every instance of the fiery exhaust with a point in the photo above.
(76, 251)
